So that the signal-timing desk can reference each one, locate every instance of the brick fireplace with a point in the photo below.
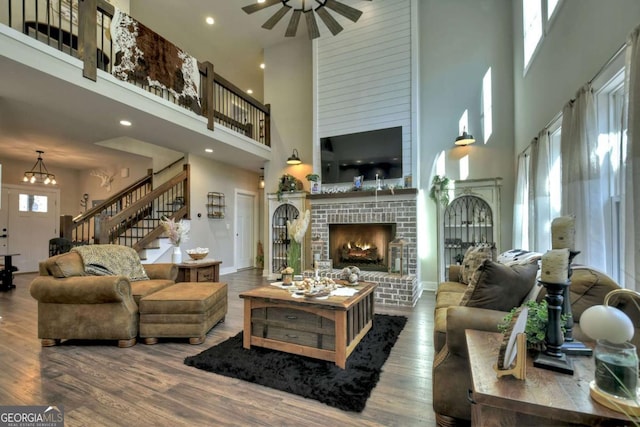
(394, 214)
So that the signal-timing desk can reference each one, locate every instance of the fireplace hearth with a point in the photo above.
(361, 245)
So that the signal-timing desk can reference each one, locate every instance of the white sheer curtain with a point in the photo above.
(539, 197)
(631, 184)
(521, 203)
(582, 187)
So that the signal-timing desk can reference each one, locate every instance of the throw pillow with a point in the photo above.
(68, 264)
(497, 286)
(473, 257)
(519, 256)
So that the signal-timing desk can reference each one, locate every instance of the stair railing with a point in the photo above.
(81, 229)
(170, 199)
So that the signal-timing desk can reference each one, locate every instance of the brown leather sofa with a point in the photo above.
(451, 372)
(72, 305)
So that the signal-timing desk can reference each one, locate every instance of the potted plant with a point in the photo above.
(536, 328)
(288, 183)
(314, 181)
(438, 192)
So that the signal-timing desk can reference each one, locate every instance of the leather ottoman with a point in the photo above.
(184, 310)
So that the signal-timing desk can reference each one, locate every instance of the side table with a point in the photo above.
(6, 272)
(199, 271)
(544, 398)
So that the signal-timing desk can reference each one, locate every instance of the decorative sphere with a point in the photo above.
(606, 322)
(353, 278)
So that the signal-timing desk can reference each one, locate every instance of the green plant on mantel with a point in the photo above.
(314, 177)
(288, 183)
(438, 192)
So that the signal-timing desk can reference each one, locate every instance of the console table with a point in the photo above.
(544, 398)
(199, 271)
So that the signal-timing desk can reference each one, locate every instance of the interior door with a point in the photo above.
(32, 219)
(245, 235)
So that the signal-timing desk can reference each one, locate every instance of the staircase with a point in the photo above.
(132, 216)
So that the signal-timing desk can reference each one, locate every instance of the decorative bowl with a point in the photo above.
(198, 253)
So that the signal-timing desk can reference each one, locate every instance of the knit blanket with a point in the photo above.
(111, 260)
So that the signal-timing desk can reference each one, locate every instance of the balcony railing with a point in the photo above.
(81, 29)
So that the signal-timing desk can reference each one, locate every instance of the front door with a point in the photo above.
(32, 216)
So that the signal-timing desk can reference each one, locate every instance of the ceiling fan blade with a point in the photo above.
(344, 10)
(271, 22)
(259, 6)
(329, 20)
(292, 28)
(312, 25)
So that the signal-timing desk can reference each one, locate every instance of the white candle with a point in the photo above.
(398, 264)
(555, 266)
(563, 232)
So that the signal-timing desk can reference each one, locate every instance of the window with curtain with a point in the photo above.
(610, 106)
(521, 206)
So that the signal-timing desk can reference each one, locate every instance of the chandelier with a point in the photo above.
(305, 7)
(39, 172)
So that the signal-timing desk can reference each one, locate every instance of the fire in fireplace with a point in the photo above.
(362, 245)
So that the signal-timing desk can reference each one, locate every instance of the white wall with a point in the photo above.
(68, 181)
(364, 75)
(459, 41)
(582, 38)
(215, 234)
(288, 88)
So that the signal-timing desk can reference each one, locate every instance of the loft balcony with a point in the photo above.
(59, 55)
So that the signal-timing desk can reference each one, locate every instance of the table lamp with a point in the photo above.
(616, 361)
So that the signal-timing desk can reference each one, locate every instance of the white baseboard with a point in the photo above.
(429, 286)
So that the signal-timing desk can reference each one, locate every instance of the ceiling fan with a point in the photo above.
(301, 8)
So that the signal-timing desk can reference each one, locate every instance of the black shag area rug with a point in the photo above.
(347, 389)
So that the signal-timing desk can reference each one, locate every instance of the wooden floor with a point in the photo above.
(99, 384)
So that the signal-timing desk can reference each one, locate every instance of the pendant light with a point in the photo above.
(39, 173)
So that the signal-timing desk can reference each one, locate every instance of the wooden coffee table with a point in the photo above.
(327, 329)
(544, 398)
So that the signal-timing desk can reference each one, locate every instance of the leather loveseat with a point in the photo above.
(451, 372)
(74, 305)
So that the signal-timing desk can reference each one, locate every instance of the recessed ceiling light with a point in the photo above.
(210, 20)
(262, 65)
(249, 91)
(261, 1)
(209, 150)
(125, 122)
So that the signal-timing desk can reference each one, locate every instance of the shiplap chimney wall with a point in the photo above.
(364, 75)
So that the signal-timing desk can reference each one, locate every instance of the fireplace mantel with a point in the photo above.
(364, 194)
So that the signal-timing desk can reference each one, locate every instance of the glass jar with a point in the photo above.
(616, 368)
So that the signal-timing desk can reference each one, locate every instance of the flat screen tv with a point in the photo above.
(344, 157)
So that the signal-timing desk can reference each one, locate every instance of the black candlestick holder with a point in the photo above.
(553, 357)
(571, 346)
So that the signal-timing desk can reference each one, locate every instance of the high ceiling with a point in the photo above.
(36, 110)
